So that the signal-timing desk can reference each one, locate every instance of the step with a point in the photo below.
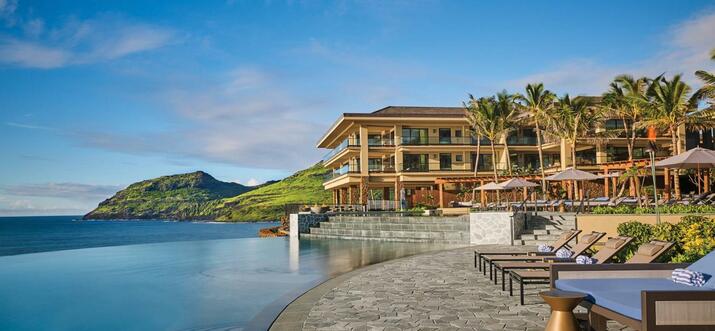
(411, 240)
(539, 237)
(435, 235)
(398, 219)
(542, 231)
(530, 242)
(396, 226)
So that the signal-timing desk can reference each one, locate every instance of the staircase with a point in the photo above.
(545, 228)
(442, 230)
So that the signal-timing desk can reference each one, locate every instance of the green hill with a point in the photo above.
(266, 202)
(199, 196)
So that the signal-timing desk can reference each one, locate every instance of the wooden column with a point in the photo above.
(606, 181)
(441, 195)
(666, 184)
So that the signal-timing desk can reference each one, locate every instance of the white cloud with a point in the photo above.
(73, 191)
(684, 50)
(7, 11)
(248, 118)
(252, 182)
(77, 42)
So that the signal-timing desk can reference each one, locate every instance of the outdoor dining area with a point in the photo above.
(567, 189)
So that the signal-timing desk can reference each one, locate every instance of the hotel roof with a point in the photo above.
(408, 111)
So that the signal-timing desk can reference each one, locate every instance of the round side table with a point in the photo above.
(562, 304)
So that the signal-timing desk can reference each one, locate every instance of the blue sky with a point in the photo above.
(99, 94)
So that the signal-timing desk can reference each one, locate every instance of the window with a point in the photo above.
(445, 161)
(374, 164)
(415, 162)
(445, 136)
(412, 136)
(459, 158)
(374, 140)
(458, 133)
(485, 161)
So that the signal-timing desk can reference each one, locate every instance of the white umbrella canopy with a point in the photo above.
(517, 183)
(697, 157)
(611, 175)
(573, 174)
(490, 187)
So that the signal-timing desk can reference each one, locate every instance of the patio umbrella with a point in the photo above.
(492, 186)
(695, 158)
(573, 175)
(516, 183)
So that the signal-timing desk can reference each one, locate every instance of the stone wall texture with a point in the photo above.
(493, 228)
(301, 223)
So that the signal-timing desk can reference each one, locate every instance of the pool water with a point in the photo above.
(181, 285)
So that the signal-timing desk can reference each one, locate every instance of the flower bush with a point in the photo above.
(667, 209)
(694, 237)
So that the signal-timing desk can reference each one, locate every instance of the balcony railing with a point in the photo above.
(521, 141)
(346, 169)
(442, 141)
(381, 168)
(383, 142)
(343, 145)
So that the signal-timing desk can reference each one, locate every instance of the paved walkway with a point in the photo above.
(434, 291)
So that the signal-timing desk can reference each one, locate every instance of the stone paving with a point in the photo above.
(434, 291)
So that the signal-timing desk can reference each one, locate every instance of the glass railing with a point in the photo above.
(415, 167)
(438, 141)
(523, 141)
(346, 169)
(349, 142)
(381, 168)
(381, 142)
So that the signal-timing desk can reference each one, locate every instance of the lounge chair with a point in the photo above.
(481, 258)
(646, 253)
(642, 296)
(612, 247)
(514, 262)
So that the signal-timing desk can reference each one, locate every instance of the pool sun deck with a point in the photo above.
(431, 291)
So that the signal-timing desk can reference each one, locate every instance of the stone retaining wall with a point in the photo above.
(301, 223)
(495, 228)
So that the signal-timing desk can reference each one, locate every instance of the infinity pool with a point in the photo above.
(191, 285)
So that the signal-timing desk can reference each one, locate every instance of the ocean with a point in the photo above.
(59, 273)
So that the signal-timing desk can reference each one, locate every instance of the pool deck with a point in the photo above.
(431, 291)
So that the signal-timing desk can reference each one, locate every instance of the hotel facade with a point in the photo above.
(396, 153)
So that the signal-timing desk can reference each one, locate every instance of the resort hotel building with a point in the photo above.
(405, 155)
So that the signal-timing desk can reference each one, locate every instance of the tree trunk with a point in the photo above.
(676, 172)
(573, 160)
(494, 165)
(508, 156)
(476, 158)
(541, 159)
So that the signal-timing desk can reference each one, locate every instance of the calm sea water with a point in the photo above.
(192, 284)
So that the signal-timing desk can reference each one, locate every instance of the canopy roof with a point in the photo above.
(573, 174)
(517, 183)
(695, 158)
(490, 187)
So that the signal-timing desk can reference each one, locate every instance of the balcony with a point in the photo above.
(343, 145)
(521, 141)
(346, 169)
(412, 141)
(381, 168)
(382, 142)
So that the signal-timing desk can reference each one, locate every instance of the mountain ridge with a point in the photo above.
(199, 196)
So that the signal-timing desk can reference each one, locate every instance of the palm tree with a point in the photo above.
(507, 111)
(707, 92)
(572, 119)
(474, 118)
(669, 108)
(627, 100)
(672, 108)
(484, 117)
(538, 102)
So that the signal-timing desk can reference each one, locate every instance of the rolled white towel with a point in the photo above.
(583, 259)
(688, 277)
(544, 248)
(564, 253)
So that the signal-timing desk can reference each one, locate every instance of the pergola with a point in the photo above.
(604, 169)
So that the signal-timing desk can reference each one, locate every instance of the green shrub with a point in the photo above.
(693, 238)
(640, 232)
(668, 209)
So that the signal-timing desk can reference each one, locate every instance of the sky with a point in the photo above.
(96, 95)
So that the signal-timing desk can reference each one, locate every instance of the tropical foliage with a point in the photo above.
(693, 236)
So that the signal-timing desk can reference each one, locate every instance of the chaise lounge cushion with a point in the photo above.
(706, 265)
(622, 295)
